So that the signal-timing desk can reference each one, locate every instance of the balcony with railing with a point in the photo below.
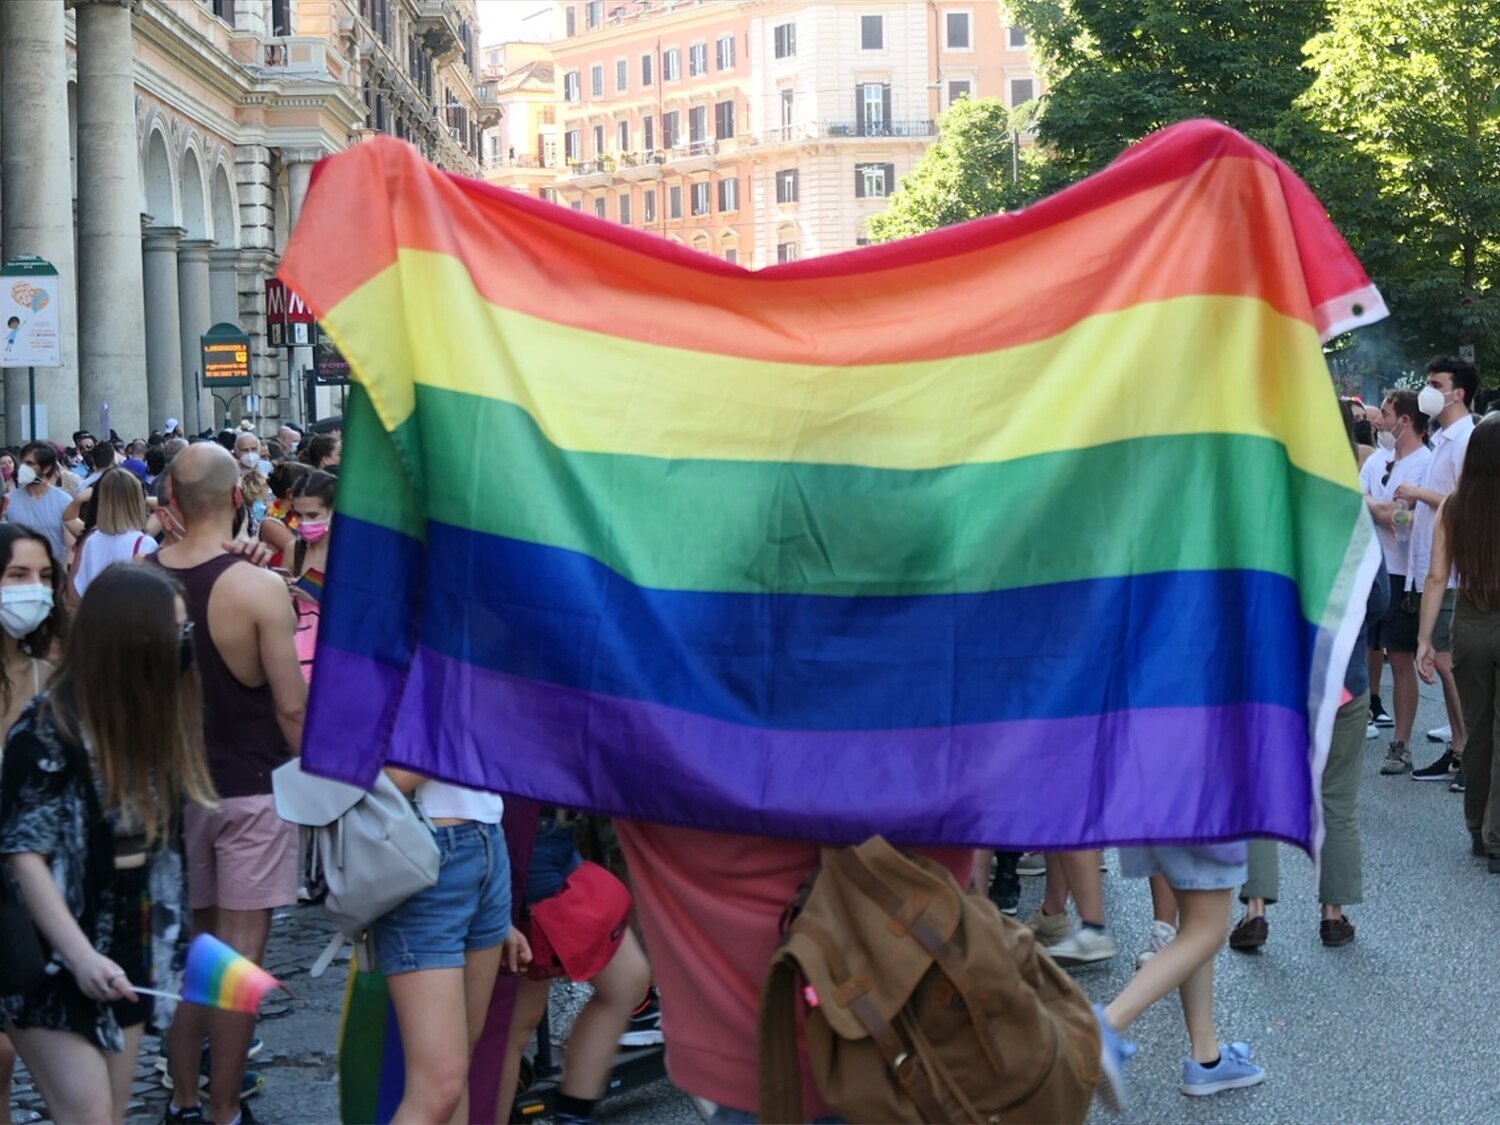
(598, 172)
(523, 160)
(487, 105)
(301, 58)
(636, 167)
(440, 24)
(861, 127)
(695, 156)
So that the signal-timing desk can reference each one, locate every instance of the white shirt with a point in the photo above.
(100, 550)
(1449, 445)
(1411, 469)
(441, 800)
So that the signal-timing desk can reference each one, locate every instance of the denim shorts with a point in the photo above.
(468, 908)
(553, 859)
(1197, 867)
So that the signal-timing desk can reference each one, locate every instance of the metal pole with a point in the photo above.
(197, 406)
(31, 387)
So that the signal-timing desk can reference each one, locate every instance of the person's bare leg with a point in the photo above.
(1204, 923)
(7, 1073)
(1163, 901)
(70, 1072)
(434, 1036)
(230, 1033)
(531, 1002)
(1450, 699)
(481, 967)
(1055, 893)
(185, 1036)
(1197, 995)
(1403, 694)
(595, 1038)
(121, 1069)
(1088, 888)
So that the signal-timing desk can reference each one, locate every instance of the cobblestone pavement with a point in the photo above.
(1351, 1034)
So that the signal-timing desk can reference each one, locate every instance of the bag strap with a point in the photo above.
(778, 1064)
(330, 951)
(904, 1064)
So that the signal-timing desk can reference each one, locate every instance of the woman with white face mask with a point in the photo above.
(252, 483)
(37, 502)
(31, 627)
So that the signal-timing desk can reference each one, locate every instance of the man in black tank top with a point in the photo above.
(242, 857)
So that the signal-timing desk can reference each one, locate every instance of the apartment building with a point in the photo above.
(760, 131)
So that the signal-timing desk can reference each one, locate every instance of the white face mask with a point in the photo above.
(1386, 440)
(250, 460)
(25, 475)
(1432, 401)
(24, 608)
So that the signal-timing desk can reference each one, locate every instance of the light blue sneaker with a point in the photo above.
(1113, 1054)
(1234, 1072)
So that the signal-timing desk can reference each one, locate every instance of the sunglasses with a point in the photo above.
(1385, 480)
(185, 645)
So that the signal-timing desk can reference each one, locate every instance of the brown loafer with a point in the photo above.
(1250, 934)
(1336, 931)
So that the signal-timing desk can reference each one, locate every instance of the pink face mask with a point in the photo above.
(310, 531)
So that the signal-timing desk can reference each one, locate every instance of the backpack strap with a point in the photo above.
(778, 1063)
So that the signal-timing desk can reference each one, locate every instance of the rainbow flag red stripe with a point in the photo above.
(218, 977)
(1041, 530)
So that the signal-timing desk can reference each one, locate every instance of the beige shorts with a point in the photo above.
(240, 856)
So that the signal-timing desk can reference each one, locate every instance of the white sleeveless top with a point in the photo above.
(441, 800)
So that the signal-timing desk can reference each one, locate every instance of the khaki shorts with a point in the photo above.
(240, 856)
(1442, 630)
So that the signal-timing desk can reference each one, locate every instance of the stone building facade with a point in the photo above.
(158, 153)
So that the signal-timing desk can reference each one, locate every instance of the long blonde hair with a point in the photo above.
(121, 691)
(122, 503)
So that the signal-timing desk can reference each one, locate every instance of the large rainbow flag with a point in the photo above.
(1037, 531)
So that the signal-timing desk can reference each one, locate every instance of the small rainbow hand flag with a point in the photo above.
(218, 977)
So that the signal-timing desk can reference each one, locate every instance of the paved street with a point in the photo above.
(1377, 1031)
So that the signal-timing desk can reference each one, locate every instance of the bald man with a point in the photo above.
(241, 857)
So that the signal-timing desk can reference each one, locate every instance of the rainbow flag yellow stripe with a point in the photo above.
(931, 539)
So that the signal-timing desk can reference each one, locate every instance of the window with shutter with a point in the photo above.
(622, 75)
(572, 21)
(669, 129)
(729, 195)
(698, 58)
(648, 205)
(724, 120)
(872, 98)
(572, 143)
(956, 31)
(725, 52)
(622, 136)
(671, 65)
(1017, 38)
(646, 70)
(786, 40)
(648, 134)
(625, 210)
(598, 140)
(698, 124)
(1021, 90)
(674, 202)
(731, 255)
(599, 207)
(596, 81)
(786, 186)
(700, 198)
(570, 86)
(872, 33)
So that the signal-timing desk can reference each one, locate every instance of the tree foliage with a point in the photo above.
(966, 174)
(1399, 136)
(1117, 70)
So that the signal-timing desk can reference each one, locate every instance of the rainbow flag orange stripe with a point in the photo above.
(1037, 531)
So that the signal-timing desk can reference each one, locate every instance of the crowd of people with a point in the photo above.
(159, 602)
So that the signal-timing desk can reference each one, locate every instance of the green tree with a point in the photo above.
(1404, 150)
(1117, 70)
(967, 173)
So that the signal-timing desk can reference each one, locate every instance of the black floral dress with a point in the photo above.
(50, 805)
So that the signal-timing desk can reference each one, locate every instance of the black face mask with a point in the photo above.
(185, 653)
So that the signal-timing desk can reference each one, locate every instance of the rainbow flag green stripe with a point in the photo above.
(703, 524)
(1038, 531)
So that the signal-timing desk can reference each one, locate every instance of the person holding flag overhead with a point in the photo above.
(95, 774)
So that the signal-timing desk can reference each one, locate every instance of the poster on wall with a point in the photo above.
(30, 314)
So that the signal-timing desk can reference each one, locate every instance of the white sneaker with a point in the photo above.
(1372, 731)
(1032, 863)
(1160, 936)
(1440, 734)
(1084, 947)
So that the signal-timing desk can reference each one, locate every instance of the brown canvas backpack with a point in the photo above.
(924, 1003)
